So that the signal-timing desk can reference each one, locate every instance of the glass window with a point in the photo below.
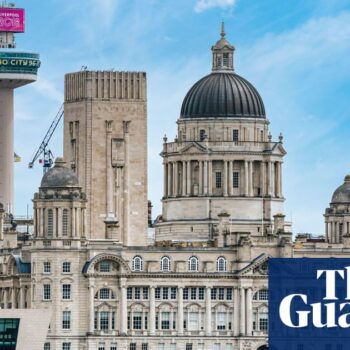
(66, 267)
(165, 324)
(165, 264)
(213, 293)
(189, 346)
(132, 346)
(161, 346)
(217, 346)
(137, 293)
(47, 292)
(173, 346)
(137, 320)
(173, 293)
(193, 293)
(201, 293)
(218, 182)
(229, 294)
(113, 346)
(234, 135)
(101, 346)
(221, 264)
(66, 346)
(47, 346)
(221, 293)
(129, 293)
(185, 293)
(145, 293)
(229, 346)
(235, 179)
(144, 346)
(49, 222)
(47, 267)
(202, 135)
(157, 293)
(193, 321)
(165, 293)
(263, 322)
(105, 266)
(145, 324)
(105, 293)
(66, 320)
(65, 222)
(221, 320)
(137, 263)
(104, 320)
(225, 59)
(263, 294)
(9, 333)
(66, 291)
(193, 264)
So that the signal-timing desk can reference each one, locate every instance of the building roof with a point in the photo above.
(342, 193)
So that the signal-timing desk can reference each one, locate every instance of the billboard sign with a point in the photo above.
(11, 20)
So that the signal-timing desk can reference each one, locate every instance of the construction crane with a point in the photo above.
(42, 150)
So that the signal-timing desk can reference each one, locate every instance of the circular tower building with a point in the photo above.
(16, 69)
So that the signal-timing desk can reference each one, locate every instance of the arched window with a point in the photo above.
(221, 264)
(165, 264)
(105, 294)
(65, 222)
(50, 222)
(262, 294)
(137, 263)
(193, 263)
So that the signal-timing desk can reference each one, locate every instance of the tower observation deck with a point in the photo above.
(17, 68)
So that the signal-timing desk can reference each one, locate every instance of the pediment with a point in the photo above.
(193, 147)
(257, 267)
(278, 149)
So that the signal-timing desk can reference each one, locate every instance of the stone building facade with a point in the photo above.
(202, 283)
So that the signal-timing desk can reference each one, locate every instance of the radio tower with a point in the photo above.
(17, 68)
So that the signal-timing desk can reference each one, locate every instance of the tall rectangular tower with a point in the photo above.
(105, 143)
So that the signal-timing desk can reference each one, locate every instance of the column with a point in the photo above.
(180, 311)
(230, 178)
(280, 179)
(251, 188)
(210, 178)
(13, 297)
(152, 311)
(77, 219)
(123, 310)
(42, 230)
(246, 178)
(91, 305)
(110, 320)
(205, 179)
(273, 179)
(59, 223)
(242, 312)
(5, 298)
(169, 180)
(165, 180)
(249, 311)
(22, 297)
(235, 312)
(189, 178)
(263, 178)
(225, 177)
(200, 190)
(73, 221)
(269, 178)
(208, 311)
(175, 182)
(184, 172)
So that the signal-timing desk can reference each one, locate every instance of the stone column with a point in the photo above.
(152, 311)
(165, 180)
(251, 188)
(189, 178)
(73, 221)
(205, 180)
(208, 311)
(169, 180)
(230, 178)
(110, 320)
(13, 297)
(175, 177)
(273, 179)
(123, 309)
(281, 179)
(91, 305)
(22, 297)
(5, 298)
(200, 190)
(246, 179)
(242, 312)
(263, 178)
(180, 311)
(184, 176)
(225, 178)
(235, 312)
(249, 309)
(210, 178)
(59, 223)
(269, 179)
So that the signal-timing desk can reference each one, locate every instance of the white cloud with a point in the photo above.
(48, 89)
(203, 5)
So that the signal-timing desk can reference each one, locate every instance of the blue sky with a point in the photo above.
(296, 53)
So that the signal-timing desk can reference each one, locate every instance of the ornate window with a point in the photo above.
(105, 294)
(65, 222)
(165, 264)
(221, 264)
(202, 135)
(193, 263)
(137, 263)
(104, 266)
(50, 222)
(262, 295)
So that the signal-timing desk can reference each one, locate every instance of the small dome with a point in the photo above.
(59, 176)
(223, 95)
(342, 193)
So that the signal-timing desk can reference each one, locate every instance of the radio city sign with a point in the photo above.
(19, 62)
(309, 303)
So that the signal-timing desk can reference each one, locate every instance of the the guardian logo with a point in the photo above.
(309, 304)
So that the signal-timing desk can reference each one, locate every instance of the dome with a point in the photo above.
(223, 95)
(59, 176)
(342, 193)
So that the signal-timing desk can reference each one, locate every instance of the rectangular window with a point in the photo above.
(66, 291)
(157, 293)
(221, 321)
(145, 293)
(137, 320)
(217, 346)
(185, 293)
(161, 346)
(47, 346)
(213, 293)
(225, 59)
(173, 293)
(47, 292)
(157, 321)
(144, 346)
(145, 324)
(193, 293)
(221, 293)
(66, 346)
(66, 320)
(101, 346)
(66, 267)
(113, 320)
(165, 293)
(132, 346)
(193, 321)
(113, 346)
(137, 293)
(229, 346)
(201, 293)
(218, 182)
(234, 135)
(165, 320)
(47, 267)
(105, 266)
(201, 135)
(129, 293)
(189, 346)
(229, 294)
(263, 322)
(104, 320)
(235, 179)
(173, 346)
